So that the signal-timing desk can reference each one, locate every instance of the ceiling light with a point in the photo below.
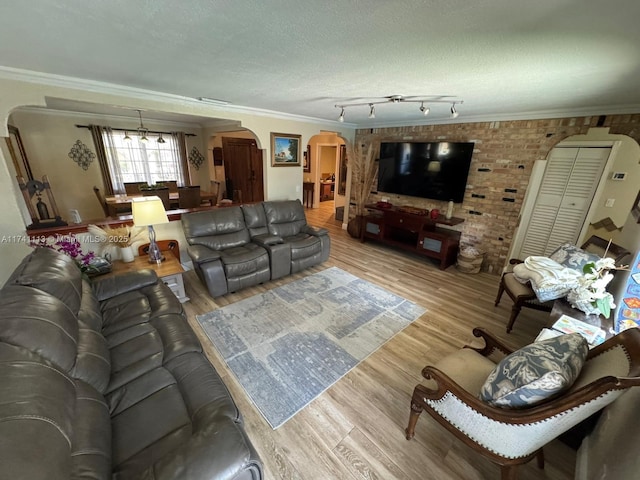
(398, 99)
(126, 136)
(142, 132)
(161, 140)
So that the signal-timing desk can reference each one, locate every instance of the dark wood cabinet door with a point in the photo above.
(243, 168)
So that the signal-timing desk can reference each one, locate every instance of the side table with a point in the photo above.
(169, 271)
(562, 307)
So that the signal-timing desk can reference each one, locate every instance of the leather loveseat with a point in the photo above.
(241, 246)
(105, 379)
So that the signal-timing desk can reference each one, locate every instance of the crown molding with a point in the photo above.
(107, 116)
(94, 86)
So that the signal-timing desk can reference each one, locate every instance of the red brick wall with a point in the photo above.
(508, 149)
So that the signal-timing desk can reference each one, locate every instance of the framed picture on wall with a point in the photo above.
(306, 166)
(285, 150)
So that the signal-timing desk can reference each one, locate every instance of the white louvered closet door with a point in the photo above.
(569, 183)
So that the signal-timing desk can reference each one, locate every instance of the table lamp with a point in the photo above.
(149, 211)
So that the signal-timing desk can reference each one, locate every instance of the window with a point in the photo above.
(135, 161)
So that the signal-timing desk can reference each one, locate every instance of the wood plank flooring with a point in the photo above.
(355, 430)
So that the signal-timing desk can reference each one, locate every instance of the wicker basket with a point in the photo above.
(469, 263)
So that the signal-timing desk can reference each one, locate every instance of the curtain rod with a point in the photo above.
(133, 130)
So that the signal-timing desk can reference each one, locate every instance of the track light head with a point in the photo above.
(372, 111)
(425, 110)
(126, 138)
(341, 117)
(161, 140)
(454, 113)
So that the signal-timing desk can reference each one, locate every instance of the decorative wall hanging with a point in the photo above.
(195, 158)
(81, 154)
(285, 150)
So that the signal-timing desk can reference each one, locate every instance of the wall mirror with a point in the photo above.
(18, 155)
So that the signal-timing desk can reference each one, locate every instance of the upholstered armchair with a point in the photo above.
(511, 437)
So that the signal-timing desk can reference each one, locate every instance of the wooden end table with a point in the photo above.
(562, 307)
(169, 271)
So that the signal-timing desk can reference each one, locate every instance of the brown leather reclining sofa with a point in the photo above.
(105, 379)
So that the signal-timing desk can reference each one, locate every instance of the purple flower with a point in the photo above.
(68, 245)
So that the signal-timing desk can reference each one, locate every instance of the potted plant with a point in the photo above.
(363, 173)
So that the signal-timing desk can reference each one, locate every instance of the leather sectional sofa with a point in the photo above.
(241, 246)
(105, 379)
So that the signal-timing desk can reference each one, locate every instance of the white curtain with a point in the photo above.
(135, 161)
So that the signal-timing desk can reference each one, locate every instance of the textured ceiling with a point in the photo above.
(504, 58)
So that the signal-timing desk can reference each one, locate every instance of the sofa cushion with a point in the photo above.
(303, 246)
(241, 261)
(36, 416)
(285, 218)
(93, 361)
(216, 229)
(52, 272)
(536, 372)
(91, 443)
(40, 322)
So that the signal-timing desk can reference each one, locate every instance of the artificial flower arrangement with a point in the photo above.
(590, 295)
(69, 245)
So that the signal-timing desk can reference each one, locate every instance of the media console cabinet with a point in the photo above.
(418, 233)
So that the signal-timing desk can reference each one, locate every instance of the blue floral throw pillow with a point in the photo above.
(536, 372)
(574, 257)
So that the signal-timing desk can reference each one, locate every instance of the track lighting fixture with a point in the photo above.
(161, 140)
(401, 99)
(126, 136)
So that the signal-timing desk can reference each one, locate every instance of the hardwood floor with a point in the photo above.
(355, 430)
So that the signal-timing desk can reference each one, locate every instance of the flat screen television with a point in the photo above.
(435, 170)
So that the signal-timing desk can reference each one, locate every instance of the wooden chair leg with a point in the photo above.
(416, 410)
(500, 292)
(515, 311)
(540, 459)
(509, 472)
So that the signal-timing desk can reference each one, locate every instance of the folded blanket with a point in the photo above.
(549, 279)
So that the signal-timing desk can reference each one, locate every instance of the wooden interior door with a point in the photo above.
(243, 169)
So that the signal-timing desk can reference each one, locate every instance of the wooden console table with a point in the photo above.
(417, 233)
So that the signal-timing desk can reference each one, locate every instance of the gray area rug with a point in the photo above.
(288, 345)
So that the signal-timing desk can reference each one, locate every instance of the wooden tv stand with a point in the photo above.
(414, 232)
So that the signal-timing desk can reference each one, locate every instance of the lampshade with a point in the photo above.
(148, 211)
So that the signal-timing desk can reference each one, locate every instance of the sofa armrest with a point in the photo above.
(315, 231)
(201, 254)
(113, 285)
(266, 239)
